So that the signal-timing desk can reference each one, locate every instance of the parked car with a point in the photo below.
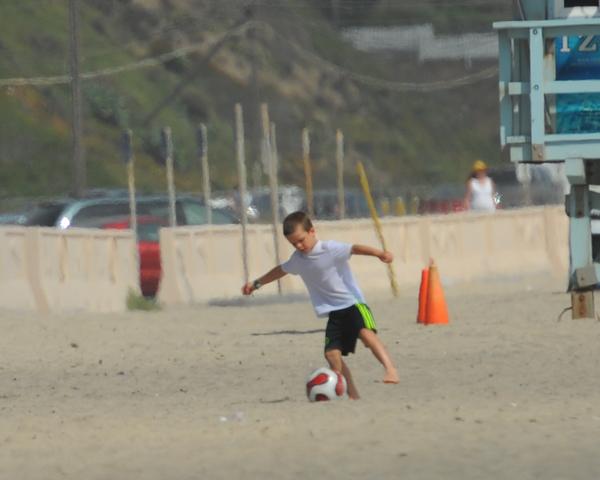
(148, 249)
(291, 198)
(325, 204)
(42, 214)
(10, 218)
(113, 212)
(541, 188)
(89, 212)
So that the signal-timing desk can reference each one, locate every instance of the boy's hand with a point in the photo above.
(274, 274)
(247, 289)
(386, 257)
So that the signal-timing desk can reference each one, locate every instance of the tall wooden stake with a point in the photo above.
(307, 171)
(339, 161)
(273, 175)
(269, 162)
(129, 160)
(168, 150)
(242, 176)
(367, 192)
(203, 144)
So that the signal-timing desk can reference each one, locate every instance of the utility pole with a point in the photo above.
(79, 170)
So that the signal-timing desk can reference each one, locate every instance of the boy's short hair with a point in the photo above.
(293, 220)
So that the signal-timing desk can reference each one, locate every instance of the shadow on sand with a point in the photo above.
(289, 332)
(256, 300)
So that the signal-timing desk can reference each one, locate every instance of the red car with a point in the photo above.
(148, 248)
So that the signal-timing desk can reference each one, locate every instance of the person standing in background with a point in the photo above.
(481, 190)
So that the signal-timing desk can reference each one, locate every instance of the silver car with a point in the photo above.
(93, 212)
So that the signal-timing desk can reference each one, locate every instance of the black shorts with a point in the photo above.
(344, 326)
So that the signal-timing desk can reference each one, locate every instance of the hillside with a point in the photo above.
(288, 54)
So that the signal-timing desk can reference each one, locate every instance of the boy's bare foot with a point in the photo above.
(391, 376)
(353, 392)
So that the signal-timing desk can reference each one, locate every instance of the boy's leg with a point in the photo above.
(334, 358)
(372, 341)
(352, 390)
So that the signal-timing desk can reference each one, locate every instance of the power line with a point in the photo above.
(336, 69)
(349, 6)
(214, 49)
(360, 3)
(106, 72)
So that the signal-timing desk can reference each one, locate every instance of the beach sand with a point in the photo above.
(217, 392)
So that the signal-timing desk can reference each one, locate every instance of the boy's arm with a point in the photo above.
(383, 255)
(272, 275)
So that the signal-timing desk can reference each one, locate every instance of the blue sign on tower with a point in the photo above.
(578, 58)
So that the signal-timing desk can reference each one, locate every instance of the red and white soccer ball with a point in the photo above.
(324, 384)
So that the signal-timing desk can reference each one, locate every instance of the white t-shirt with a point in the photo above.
(482, 195)
(326, 273)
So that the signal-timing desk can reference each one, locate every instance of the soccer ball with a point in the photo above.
(324, 384)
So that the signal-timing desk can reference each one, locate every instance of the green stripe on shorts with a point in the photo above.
(367, 316)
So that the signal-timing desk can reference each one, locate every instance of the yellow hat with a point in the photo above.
(479, 165)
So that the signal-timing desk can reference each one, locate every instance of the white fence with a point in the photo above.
(52, 270)
(88, 270)
(204, 263)
(422, 41)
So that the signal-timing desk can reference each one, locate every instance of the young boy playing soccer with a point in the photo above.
(323, 266)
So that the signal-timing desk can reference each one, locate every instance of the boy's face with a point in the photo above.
(302, 240)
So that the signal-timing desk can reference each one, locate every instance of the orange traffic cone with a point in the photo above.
(436, 309)
(422, 315)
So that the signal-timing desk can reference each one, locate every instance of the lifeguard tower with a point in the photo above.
(549, 79)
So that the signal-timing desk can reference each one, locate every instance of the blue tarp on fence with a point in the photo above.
(578, 58)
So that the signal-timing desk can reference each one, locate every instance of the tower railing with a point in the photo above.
(541, 121)
(527, 69)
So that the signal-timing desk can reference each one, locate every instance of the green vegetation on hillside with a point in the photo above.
(405, 138)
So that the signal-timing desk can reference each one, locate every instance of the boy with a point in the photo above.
(323, 266)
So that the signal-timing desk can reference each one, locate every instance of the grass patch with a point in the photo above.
(136, 301)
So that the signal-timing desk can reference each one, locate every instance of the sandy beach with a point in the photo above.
(217, 392)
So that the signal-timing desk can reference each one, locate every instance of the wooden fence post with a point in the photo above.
(242, 187)
(203, 148)
(339, 161)
(307, 171)
(168, 151)
(270, 163)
